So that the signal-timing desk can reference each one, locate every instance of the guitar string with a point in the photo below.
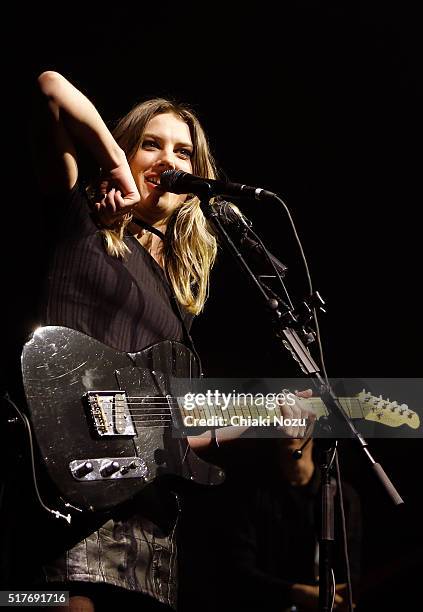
(164, 402)
(145, 418)
(357, 403)
(354, 400)
(148, 413)
(313, 401)
(149, 423)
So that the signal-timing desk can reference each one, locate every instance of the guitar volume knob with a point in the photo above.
(82, 470)
(109, 468)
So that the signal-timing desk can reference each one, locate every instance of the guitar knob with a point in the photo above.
(110, 468)
(83, 469)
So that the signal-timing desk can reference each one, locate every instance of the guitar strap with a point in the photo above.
(148, 227)
(187, 336)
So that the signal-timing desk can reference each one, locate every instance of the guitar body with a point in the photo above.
(99, 447)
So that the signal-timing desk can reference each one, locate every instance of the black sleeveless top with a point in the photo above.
(124, 303)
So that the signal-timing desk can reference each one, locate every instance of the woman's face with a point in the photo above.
(166, 145)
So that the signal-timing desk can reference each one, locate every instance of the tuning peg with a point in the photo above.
(403, 408)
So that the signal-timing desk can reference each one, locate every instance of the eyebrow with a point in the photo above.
(186, 145)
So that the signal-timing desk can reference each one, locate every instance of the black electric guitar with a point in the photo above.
(106, 426)
(103, 422)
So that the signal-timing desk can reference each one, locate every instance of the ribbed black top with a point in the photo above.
(124, 303)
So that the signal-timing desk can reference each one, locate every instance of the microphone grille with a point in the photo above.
(168, 178)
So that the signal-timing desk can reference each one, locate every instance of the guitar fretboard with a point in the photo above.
(252, 409)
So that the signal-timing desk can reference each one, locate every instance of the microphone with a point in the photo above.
(177, 181)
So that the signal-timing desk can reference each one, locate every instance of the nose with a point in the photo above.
(167, 159)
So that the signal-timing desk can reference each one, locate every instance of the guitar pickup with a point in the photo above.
(109, 414)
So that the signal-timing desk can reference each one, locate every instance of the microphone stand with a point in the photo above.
(289, 327)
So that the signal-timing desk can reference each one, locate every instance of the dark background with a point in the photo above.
(317, 101)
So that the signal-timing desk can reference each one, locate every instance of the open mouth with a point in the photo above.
(154, 180)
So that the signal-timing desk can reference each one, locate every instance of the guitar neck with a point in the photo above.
(252, 409)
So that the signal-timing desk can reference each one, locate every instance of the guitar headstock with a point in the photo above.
(386, 412)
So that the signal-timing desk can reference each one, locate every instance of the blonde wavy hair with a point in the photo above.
(190, 247)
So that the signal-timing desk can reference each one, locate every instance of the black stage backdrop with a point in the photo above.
(317, 101)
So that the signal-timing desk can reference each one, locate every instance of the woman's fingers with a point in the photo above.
(112, 204)
(110, 201)
(297, 413)
(131, 199)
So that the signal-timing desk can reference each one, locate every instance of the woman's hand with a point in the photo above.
(307, 597)
(117, 195)
(296, 412)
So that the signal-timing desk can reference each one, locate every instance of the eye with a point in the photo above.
(185, 153)
(150, 144)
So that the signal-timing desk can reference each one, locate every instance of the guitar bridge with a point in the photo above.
(109, 413)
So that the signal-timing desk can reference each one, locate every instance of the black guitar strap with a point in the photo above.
(148, 227)
(187, 336)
